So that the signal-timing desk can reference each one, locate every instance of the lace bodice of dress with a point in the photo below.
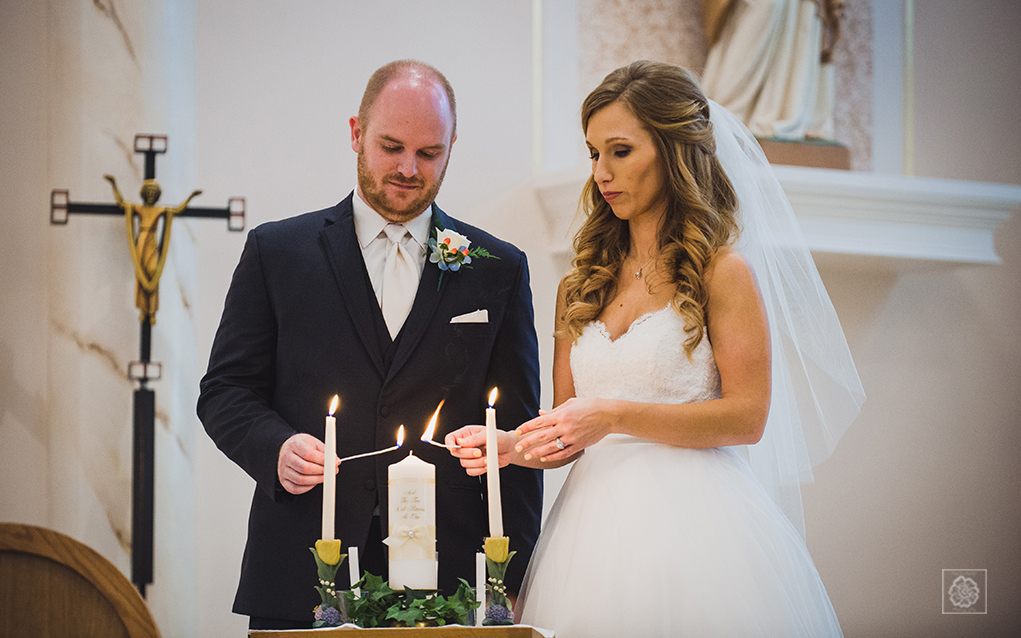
(647, 363)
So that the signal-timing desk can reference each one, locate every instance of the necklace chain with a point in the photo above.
(638, 273)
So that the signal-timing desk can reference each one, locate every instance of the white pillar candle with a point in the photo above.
(493, 471)
(412, 524)
(480, 587)
(353, 569)
(329, 472)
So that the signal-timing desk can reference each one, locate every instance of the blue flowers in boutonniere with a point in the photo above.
(450, 251)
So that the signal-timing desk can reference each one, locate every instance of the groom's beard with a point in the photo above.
(375, 195)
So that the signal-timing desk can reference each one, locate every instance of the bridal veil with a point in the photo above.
(816, 393)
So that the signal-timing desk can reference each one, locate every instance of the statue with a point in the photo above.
(148, 243)
(770, 63)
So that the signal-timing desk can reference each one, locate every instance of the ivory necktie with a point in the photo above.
(400, 280)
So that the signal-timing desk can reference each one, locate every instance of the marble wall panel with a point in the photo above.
(613, 33)
(852, 109)
(116, 69)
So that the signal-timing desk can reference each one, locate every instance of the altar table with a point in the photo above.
(511, 631)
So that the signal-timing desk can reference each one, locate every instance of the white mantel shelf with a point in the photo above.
(855, 213)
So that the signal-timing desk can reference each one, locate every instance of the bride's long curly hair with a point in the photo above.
(701, 203)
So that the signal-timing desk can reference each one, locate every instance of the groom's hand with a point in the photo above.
(300, 463)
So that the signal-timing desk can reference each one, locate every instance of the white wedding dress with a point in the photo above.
(647, 539)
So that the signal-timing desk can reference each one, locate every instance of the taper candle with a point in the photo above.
(493, 470)
(330, 471)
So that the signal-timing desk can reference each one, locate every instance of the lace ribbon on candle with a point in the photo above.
(403, 533)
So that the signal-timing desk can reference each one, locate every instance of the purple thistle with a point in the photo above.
(330, 615)
(499, 615)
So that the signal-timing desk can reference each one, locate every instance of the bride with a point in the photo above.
(682, 364)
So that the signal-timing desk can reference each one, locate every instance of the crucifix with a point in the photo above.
(148, 230)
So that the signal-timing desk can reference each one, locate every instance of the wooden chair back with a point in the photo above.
(54, 586)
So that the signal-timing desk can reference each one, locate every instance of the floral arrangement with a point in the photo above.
(378, 605)
(499, 611)
(328, 559)
(450, 251)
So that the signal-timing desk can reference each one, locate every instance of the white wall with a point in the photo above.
(24, 428)
(927, 478)
(966, 64)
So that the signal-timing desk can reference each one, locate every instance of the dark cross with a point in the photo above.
(148, 230)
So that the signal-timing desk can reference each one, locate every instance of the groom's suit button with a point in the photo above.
(370, 485)
(384, 411)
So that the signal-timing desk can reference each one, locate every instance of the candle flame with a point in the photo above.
(400, 436)
(431, 429)
(334, 404)
(492, 397)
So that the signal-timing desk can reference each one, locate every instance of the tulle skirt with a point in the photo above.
(652, 540)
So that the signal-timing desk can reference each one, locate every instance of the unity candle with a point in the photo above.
(493, 470)
(330, 471)
(412, 524)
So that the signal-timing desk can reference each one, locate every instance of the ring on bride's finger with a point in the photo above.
(560, 444)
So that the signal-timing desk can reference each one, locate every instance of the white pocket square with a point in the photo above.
(479, 316)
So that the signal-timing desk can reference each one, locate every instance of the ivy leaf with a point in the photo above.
(414, 594)
(409, 616)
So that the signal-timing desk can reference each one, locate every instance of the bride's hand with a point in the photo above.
(472, 453)
(576, 423)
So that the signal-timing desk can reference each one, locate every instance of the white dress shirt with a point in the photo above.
(369, 229)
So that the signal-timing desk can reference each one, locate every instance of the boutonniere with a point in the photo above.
(452, 251)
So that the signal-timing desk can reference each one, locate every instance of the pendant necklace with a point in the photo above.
(638, 273)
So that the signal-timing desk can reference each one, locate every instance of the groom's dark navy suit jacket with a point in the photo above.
(300, 324)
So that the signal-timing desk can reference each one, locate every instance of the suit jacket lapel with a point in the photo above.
(427, 301)
(345, 257)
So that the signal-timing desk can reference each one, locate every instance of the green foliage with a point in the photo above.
(327, 573)
(381, 606)
(479, 251)
(495, 585)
